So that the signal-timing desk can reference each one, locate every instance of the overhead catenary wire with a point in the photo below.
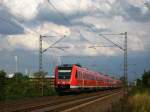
(55, 43)
(60, 14)
(50, 4)
(9, 22)
(67, 21)
(79, 6)
(19, 25)
(26, 29)
(111, 41)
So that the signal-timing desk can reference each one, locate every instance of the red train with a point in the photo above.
(77, 78)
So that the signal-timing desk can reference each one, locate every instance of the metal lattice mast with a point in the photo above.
(40, 54)
(41, 50)
(125, 49)
(126, 61)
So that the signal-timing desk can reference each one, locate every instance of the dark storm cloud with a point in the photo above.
(58, 17)
(134, 13)
(7, 26)
(48, 15)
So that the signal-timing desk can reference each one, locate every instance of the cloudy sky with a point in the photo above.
(81, 22)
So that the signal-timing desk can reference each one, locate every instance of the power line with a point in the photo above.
(26, 29)
(14, 25)
(106, 56)
(78, 13)
(55, 43)
(103, 35)
(63, 17)
(8, 22)
(111, 41)
(60, 14)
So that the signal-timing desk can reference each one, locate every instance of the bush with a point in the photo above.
(2, 84)
(48, 90)
(21, 86)
(146, 79)
(16, 86)
(140, 102)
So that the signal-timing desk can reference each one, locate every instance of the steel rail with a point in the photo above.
(73, 103)
(63, 104)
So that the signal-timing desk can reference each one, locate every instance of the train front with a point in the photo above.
(62, 78)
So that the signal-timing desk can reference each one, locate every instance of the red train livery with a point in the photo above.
(77, 78)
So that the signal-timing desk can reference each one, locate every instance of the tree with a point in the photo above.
(40, 74)
(2, 84)
(146, 79)
(17, 86)
(19, 75)
(122, 78)
(139, 83)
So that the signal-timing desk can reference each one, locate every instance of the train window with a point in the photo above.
(84, 75)
(79, 75)
(64, 74)
(90, 77)
(87, 75)
(99, 78)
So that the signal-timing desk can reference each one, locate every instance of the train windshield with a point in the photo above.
(64, 73)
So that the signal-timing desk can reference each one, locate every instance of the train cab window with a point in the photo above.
(64, 74)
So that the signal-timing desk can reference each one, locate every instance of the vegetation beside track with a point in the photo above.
(21, 86)
(138, 99)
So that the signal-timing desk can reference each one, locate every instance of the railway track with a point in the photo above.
(68, 104)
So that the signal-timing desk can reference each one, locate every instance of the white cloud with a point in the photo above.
(27, 42)
(140, 4)
(31, 41)
(23, 9)
(96, 22)
(24, 41)
(70, 7)
(52, 29)
(116, 23)
(137, 3)
(112, 1)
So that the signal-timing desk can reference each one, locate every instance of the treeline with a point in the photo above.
(21, 86)
(144, 82)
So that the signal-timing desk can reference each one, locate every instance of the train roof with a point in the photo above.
(98, 74)
(69, 65)
(86, 69)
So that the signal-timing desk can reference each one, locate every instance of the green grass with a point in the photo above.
(137, 101)
(140, 102)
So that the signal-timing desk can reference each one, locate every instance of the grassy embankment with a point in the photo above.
(137, 101)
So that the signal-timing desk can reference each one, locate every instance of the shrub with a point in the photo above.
(2, 84)
(140, 102)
